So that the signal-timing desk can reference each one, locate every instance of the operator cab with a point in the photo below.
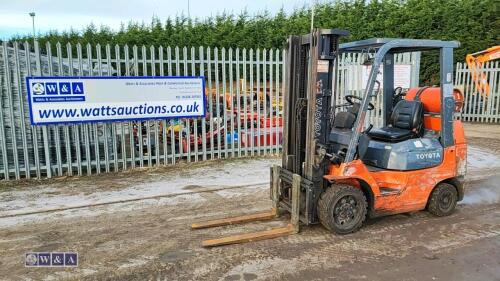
(404, 143)
(411, 135)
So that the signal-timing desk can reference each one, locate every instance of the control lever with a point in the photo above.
(368, 129)
(334, 158)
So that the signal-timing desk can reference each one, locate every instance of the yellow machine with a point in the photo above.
(476, 62)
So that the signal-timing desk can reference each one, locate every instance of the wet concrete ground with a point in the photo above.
(151, 240)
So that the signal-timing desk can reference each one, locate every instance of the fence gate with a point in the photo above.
(479, 108)
(242, 85)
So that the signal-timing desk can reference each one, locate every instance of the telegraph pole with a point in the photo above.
(313, 4)
(32, 15)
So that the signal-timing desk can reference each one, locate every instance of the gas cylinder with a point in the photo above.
(431, 98)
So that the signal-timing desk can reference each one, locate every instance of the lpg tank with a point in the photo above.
(431, 98)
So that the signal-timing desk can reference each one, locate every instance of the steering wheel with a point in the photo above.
(398, 94)
(349, 100)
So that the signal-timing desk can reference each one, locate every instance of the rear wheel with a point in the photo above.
(342, 209)
(443, 200)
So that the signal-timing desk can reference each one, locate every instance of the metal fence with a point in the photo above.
(244, 100)
(477, 107)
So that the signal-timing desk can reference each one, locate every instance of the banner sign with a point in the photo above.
(402, 75)
(55, 100)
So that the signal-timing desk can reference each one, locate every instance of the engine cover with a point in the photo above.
(412, 154)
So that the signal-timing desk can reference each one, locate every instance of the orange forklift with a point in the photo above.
(337, 168)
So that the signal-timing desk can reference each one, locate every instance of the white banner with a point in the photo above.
(402, 75)
(55, 100)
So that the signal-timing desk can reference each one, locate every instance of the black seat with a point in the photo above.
(405, 123)
(346, 119)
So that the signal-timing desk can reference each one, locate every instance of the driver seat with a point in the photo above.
(406, 122)
(346, 119)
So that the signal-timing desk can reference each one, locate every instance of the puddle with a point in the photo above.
(176, 255)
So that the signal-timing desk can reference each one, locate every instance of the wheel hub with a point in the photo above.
(346, 210)
(445, 200)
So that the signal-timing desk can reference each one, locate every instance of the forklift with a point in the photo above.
(337, 169)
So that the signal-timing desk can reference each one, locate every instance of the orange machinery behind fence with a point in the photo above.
(476, 62)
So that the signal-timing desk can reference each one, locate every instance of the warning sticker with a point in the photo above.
(322, 66)
(418, 144)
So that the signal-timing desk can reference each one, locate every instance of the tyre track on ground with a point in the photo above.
(130, 200)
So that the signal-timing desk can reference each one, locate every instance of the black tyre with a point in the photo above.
(342, 209)
(443, 200)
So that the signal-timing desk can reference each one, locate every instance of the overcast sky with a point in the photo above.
(63, 14)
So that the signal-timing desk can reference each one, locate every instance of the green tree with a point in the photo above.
(475, 23)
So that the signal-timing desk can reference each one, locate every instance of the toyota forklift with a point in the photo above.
(337, 168)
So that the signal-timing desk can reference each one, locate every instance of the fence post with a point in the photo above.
(3, 137)
(10, 105)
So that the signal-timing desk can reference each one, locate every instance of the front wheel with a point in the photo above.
(342, 209)
(443, 200)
